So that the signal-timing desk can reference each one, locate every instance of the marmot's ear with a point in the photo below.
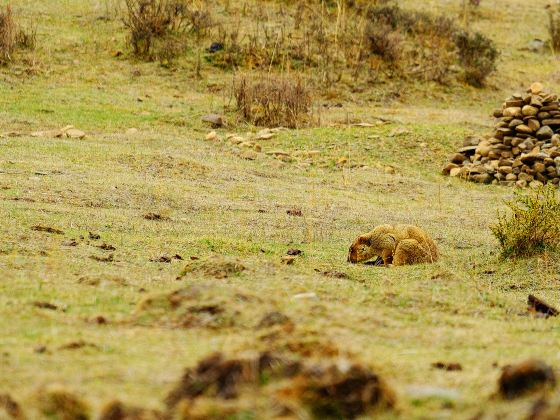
(364, 239)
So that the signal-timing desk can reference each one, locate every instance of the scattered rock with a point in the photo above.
(265, 134)
(278, 153)
(76, 345)
(106, 247)
(419, 393)
(215, 120)
(99, 319)
(536, 45)
(45, 305)
(249, 155)
(302, 296)
(131, 131)
(288, 259)
(215, 47)
(108, 258)
(39, 228)
(293, 251)
(212, 136)
(399, 131)
(94, 236)
(102, 280)
(74, 133)
(537, 305)
(335, 274)
(155, 216)
(342, 161)
(69, 242)
(40, 349)
(294, 212)
(47, 133)
(447, 366)
(166, 258)
(526, 377)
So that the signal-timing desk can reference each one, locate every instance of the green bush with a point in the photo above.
(533, 224)
(477, 56)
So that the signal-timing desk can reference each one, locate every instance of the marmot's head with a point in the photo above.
(366, 247)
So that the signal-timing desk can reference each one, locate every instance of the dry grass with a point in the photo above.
(8, 35)
(469, 308)
(158, 29)
(532, 226)
(273, 101)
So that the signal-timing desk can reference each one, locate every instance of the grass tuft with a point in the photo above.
(533, 226)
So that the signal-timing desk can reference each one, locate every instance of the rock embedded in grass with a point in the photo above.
(215, 120)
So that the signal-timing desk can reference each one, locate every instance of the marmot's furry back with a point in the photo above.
(396, 244)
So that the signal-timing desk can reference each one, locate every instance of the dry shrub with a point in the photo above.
(533, 224)
(477, 56)
(273, 101)
(27, 39)
(348, 41)
(13, 37)
(159, 28)
(8, 35)
(554, 26)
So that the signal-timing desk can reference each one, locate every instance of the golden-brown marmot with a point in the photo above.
(397, 244)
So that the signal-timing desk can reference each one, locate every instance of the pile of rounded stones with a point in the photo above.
(524, 149)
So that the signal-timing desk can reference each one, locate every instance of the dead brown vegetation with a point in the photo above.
(273, 101)
(158, 29)
(326, 390)
(12, 36)
(8, 35)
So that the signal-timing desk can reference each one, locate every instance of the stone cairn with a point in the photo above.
(523, 150)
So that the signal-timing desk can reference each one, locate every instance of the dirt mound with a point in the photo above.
(268, 382)
(58, 403)
(342, 390)
(203, 305)
(524, 148)
(217, 267)
(10, 407)
(525, 377)
(217, 376)
(116, 410)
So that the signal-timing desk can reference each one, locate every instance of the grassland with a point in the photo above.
(469, 308)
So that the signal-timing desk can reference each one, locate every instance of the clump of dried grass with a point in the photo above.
(8, 35)
(13, 37)
(158, 29)
(273, 101)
